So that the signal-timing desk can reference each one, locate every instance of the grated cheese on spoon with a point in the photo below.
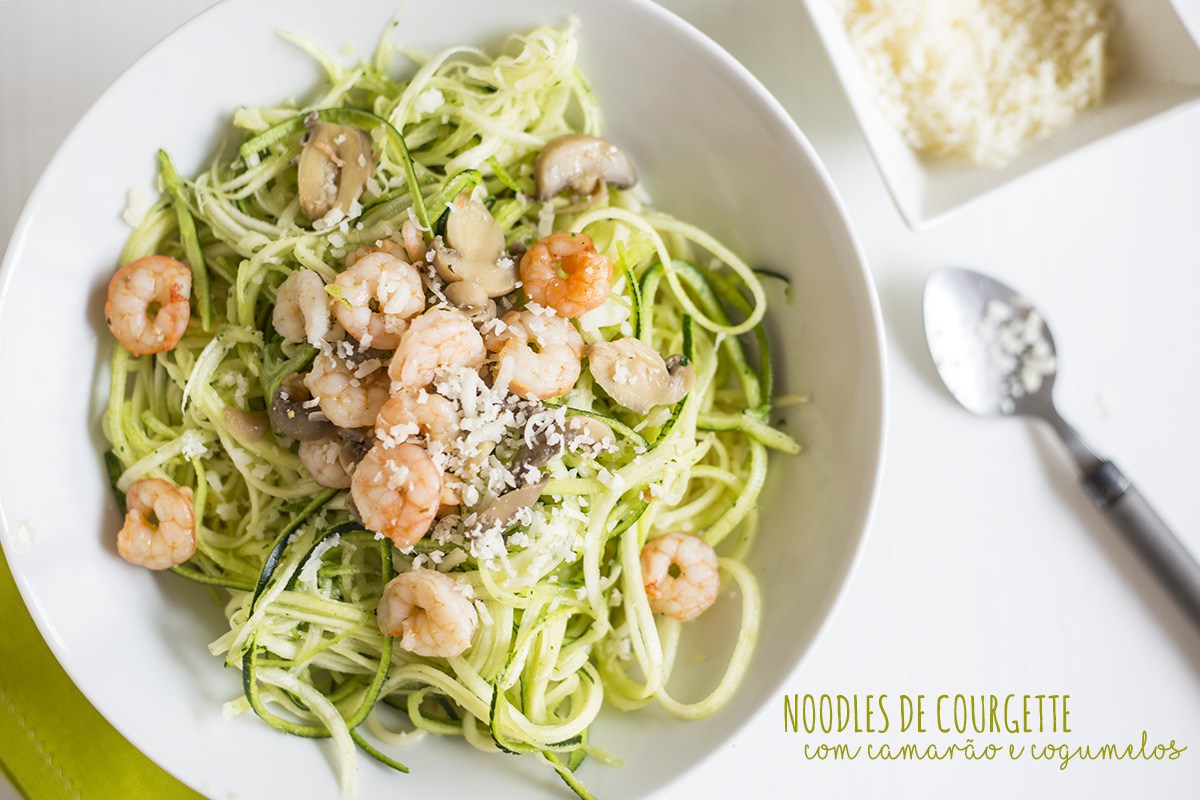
(1020, 352)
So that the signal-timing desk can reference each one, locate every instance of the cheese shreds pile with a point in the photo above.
(978, 79)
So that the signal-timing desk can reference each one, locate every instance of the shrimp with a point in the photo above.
(408, 414)
(547, 371)
(588, 274)
(378, 295)
(327, 461)
(160, 526)
(397, 491)
(301, 311)
(429, 611)
(414, 242)
(148, 308)
(349, 394)
(680, 574)
(441, 337)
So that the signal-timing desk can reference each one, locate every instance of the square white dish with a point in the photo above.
(1159, 72)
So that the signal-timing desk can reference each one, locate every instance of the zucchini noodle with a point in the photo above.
(566, 624)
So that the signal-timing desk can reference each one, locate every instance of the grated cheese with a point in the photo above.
(137, 205)
(22, 537)
(1020, 354)
(979, 79)
(308, 572)
(193, 445)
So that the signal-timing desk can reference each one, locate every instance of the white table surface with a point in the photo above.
(985, 571)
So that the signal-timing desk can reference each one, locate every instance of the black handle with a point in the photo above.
(1145, 531)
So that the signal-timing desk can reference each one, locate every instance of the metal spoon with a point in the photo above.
(996, 356)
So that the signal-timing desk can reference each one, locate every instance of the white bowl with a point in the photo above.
(712, 147)
(1160, 72)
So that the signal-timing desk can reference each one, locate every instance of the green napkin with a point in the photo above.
(53, 744)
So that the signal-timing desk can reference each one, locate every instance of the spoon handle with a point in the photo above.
(1145, 531)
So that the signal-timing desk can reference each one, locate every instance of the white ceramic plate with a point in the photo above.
(1159, 72)
(712, 147)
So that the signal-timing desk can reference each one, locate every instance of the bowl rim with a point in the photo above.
(875, 349)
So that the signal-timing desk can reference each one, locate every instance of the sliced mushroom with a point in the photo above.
(547, 446)
(472, 230)
(504, 509)
(355, 444)
(290, 417)
(473, 249)
(352, 509)
(582, 163)
(584, 431)
(472, 299)
(373, 357)
(676, 362)
(334, 166)
(246, 426)
(635, 375)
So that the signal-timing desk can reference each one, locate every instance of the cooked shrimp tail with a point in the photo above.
(160, 527)
(148, 308)
(585, 279)
(429, 612)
